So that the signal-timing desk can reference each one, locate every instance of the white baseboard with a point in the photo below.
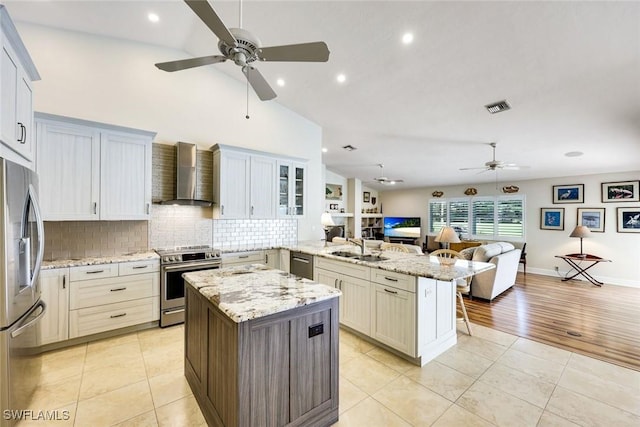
(606, 280)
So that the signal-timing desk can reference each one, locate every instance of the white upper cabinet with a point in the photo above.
(68, 163)
(91, 171)
(245, 183)
(291, 189)
(231, 180)
(125, 176)
(263, 187)
(16, 95)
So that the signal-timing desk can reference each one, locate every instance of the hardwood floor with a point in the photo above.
(601, 322)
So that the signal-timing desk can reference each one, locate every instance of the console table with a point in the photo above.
(574, 261)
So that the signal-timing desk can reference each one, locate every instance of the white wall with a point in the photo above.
(622, 248)
(114, 81)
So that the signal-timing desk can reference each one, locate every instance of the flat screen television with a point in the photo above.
(402, 227)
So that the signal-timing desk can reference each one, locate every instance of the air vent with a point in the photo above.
(498, 107)
(349, 147)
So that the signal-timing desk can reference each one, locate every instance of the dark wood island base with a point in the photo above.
(276, 370)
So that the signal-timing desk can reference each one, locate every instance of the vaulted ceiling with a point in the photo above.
(569, 70)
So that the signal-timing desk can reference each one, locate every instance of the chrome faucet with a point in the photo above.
(359, 242)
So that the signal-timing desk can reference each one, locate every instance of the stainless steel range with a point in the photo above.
(173, 263)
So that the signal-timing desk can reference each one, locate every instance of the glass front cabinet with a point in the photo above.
(291, 189)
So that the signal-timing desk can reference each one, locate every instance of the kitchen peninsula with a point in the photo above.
(261, 347)
(404, 302)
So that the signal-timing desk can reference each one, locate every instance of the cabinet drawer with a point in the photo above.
(89, 293)
(353, 270)
(87, 321)
(98, 271)
(139, 267)
(396, 280)
(254, 257)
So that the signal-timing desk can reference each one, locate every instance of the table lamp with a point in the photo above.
(581, 231)
(327, 221)
(447, 235)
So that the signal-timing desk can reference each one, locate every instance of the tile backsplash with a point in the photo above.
(170, 226)
(254, 233)
(83, 239)
(173, 226)
(188, 225)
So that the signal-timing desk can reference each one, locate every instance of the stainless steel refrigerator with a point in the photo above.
(21, 253)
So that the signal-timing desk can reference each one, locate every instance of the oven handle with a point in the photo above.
(188, 266)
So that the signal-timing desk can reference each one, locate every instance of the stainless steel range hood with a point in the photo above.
(186, 177)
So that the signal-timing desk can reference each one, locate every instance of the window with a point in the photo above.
(493, 218)
(437, 215)
(459, 215)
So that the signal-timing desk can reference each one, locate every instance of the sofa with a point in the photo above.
(490, 284)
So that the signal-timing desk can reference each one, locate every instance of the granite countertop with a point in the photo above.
(407, 263)
(137, 256)
(252, 291)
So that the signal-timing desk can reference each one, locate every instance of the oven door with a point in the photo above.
(172, 290)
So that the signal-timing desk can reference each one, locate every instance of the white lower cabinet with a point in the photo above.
(242, 258)
(112, 296)
(353, 281)
(272, 258)
(54, 287)
(414, 315)
(393, 318)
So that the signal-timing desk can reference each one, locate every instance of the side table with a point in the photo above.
(575, 260)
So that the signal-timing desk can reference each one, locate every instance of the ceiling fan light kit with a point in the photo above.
(243, 48)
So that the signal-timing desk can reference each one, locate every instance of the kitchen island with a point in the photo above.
(261, 347)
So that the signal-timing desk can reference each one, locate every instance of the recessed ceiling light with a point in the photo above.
(574, 154)
(153, 17)
(407, 38)
(325, 149)
(280, 82)
(341, 78)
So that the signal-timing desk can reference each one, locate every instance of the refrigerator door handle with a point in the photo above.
(40, 225)
(32, 322)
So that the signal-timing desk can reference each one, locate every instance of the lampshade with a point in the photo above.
(447, 235)
(580, 231)
(326, 219)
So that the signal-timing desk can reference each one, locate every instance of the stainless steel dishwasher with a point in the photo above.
(301, 265)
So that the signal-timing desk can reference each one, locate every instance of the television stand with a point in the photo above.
(403, 240)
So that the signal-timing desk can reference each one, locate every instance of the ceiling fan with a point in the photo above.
(243, 48)
(383, 179)
(494, 164)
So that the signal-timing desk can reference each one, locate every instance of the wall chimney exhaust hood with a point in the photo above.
(186, 177)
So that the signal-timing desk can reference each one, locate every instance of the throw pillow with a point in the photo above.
(467, 253)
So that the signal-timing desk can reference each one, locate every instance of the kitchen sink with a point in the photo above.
(371, 258)
(345, 254)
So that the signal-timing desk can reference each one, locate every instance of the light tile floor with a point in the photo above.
(490, 379)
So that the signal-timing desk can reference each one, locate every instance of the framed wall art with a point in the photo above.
(552, 218)
(573, 193)
(333, 192)
(629, 220)
(623, 191)
(593, 218)
(366, 197)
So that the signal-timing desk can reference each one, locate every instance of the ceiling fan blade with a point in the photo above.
(205, 12)
(510, 167)
(258, 83)
(303, 52)
(183, 64)
(471, 169)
